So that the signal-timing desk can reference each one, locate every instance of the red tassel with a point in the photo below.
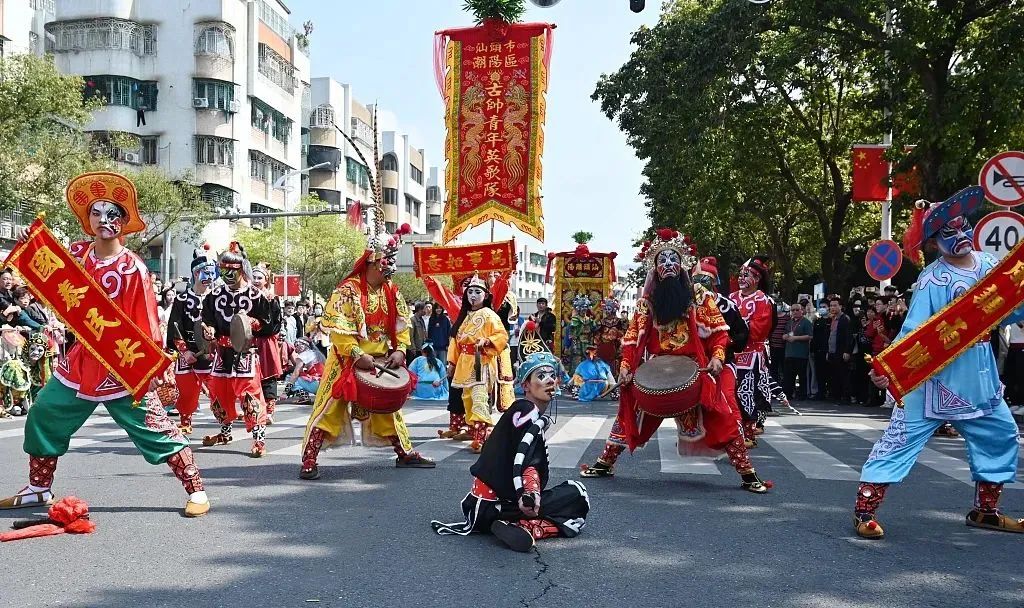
(913, 237)
(36, 531)
(69, 514)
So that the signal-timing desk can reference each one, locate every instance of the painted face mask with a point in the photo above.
(705, 280)
(542, 383)
(232, 276)
(476, 296)
(205, 275)
(106, 220)
(387, 267)
(956, 237)
(36, 352)
(668, 264)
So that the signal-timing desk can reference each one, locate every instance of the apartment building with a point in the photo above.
(211, 90)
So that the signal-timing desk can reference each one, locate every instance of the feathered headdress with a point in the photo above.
(668, 239)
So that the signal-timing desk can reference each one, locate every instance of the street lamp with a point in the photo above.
(279, 185)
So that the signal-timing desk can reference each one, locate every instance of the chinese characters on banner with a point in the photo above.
(493, 79)
(58, 280)
(967, 320)
(590, 275)
(460, 260)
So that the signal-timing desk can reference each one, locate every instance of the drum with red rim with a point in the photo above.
(383, 392)
(667, 386)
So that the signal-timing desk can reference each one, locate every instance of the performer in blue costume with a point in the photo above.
(432, 379)
(967, 392)
(593, 376)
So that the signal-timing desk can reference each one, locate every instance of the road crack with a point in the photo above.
(540, 577)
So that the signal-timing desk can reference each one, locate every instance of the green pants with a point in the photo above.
(58, 413)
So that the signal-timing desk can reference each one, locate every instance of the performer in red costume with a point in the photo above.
(81, 381)
(705, 277)
(266, 343)
(191, 368)
(671, 320)
(236, 373)
(754, 385)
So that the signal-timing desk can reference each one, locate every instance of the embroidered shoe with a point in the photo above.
(258, 449)
(309, 472)
(599, 469)
(868, 527)
(196, 509)
(994, 521)
(414, 460)
(26, 499)
(218, 439)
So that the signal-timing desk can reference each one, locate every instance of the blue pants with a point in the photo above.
(992, 447)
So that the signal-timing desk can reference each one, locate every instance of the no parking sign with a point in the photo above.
(883, 260)
(999, 232)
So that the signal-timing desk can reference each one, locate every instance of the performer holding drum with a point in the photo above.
(365, 376)
(185, 335)
(683, 339)
(232, 314)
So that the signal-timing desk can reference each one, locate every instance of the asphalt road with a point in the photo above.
(661, 533)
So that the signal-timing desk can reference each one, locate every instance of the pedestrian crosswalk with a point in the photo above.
(818, 446)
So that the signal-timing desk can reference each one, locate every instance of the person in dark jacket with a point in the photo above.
(439, 331)
(547, 323)
(838, 352)
(508, 497)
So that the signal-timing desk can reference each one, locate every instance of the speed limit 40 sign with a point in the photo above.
(999, 232)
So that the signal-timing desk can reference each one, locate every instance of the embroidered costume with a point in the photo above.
(193, 364)
(267, 343)
(106, 207)
(235, 377)
(966, 392)
(755, 387)
(362, 320)
(670, 319)
(475, 366)
(512, 474)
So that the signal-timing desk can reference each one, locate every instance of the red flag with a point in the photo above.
(870, 173)
(907, 182)
(355, 214)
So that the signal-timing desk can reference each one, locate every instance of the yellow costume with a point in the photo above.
(478, 324)
(357, 318)
(506, 392)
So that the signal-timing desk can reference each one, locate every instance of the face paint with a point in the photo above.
(747, 278)
(232, 276)
(476, 296)
(542, 383)
(956, 237)
(668, 263)
(204, 276)
(704, 280)
(106, 220)
(36, 352)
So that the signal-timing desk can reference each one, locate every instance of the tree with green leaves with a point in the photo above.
(509, 11)
(746, 114)
(322, 248)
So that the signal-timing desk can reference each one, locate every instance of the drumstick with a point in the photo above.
(384, 370)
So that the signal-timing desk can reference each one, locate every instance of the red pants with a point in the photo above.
(225, 393)
(190, 386)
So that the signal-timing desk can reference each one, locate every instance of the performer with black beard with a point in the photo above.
(671, 320)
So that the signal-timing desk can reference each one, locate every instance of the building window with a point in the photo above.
(416, 173)
(220, 198)
(390, 196)
(408, 206)
(147, 150)
(217, 93)
(106, 34)
(275, 21)
(357, 174)
(260, 222)
(322, 116)
(391, 227)
(389, 162)
(269, 120)
(122, 91)
(33, 44)
(277, 69)
(218, 40)
(433, 194)
(417, 209)
(265, 168)
(218, 151)
(362, 131)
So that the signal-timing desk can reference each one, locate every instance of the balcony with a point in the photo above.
(214, 122)
(220, 175)
(324, 137)
(321, 179)
(434, 223)
(269, 144)
(391, 213)
(389, 179)
(320, 154)
(332, 198)
(102, 34)
(214, 68)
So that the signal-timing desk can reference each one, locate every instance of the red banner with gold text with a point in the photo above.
(57, 279)
(493, 79)
(461, 260)
(967, 320)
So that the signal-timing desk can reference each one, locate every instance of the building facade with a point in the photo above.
(210, 91)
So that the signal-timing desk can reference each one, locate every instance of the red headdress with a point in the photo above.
(708, 266)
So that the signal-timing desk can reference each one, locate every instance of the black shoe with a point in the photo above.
(513, 536)
(313, 473)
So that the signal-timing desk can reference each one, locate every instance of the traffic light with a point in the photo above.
(636, 5)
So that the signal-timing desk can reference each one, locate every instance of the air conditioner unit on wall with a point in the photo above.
(235, 106)
(132, 157)
(200, 102)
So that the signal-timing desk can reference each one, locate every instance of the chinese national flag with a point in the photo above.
(870, 173)
(908, 182)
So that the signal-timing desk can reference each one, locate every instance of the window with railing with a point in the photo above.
(416, 173)
(48, 6)
(265, 168)
(105, 34)
(269, 120)
(216, 39)
(537, 259)
(362, 131)
(388, 162)
(218, 151)
(219, 198)
(275, 21)
(277, 69)
(122, 91)
(260, 222)
(356, 173)
(148, 147)
(217, 93)
(322, 116)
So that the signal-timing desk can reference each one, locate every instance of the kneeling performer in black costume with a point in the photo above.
(508, 496)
